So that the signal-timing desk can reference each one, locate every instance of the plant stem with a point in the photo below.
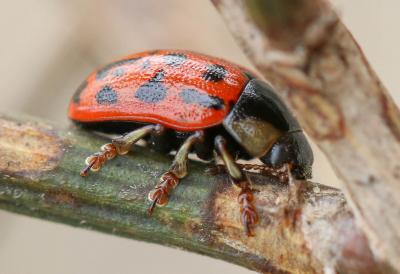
(39, 177)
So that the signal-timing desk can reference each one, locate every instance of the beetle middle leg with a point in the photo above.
(118, 146)
(249, 216)
(169, 180)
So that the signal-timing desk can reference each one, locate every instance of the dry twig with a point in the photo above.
(304, 49)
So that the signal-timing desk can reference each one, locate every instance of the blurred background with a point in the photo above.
(49, 46)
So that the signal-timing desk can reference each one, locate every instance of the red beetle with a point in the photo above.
(185, 101)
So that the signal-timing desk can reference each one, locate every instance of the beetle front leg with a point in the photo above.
(249, 216)
(118, 146)
(169, 180)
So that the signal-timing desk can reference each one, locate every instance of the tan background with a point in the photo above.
(47, 47)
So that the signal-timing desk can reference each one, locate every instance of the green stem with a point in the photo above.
(39, 176)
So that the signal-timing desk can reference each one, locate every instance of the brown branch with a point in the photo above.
(304, 228)
(303, 48)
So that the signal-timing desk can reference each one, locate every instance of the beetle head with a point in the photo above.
(264, 126)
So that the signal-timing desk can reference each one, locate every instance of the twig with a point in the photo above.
(39, 176)
(303, 48)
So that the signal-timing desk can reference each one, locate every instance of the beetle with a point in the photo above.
(187, 102)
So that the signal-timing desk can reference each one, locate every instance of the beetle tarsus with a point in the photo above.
(160, 194)
(85, 171)
(118, 146)
(178, 170)
(249, 216)
(248, 228)
(97, 160)
(151, 208)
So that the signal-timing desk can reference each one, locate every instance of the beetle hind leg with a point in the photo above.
(97, 160)
(169, 180)
(160, 194)
(118, 146)
(249, 216)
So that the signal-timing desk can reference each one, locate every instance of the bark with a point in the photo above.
(305, 227)
(303, 48)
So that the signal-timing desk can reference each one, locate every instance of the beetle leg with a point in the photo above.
(118, 146)
(249, 216)
(280, 172)
(178, 170)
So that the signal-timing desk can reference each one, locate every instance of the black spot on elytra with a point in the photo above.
(106, 96)
(175, 59)
(153, 91)
(77, 95)
(193, 96)
(103, 72)
(215, 73)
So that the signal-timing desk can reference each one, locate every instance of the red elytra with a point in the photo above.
(179, 89)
